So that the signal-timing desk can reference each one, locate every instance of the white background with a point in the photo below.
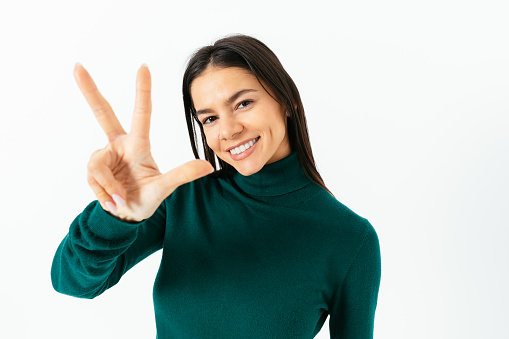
(408, 110)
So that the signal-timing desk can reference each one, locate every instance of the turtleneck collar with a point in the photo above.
(281, 177)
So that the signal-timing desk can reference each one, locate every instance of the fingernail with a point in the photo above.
(110, 206)
(76, 64)
(144, 64)
(118, 200)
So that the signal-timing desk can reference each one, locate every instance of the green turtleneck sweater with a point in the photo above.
(269, 255)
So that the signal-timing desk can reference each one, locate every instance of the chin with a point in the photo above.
(247, 170)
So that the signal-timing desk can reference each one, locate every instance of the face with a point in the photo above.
(229, 118)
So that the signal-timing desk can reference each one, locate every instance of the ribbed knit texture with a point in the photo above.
(269, 255)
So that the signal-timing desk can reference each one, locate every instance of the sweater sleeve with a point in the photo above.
(100, 248)
(353, 308)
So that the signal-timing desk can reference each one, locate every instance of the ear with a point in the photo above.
(294, 107)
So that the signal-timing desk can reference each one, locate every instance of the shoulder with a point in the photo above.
(335, 210)
(342, 224)
(203, 187)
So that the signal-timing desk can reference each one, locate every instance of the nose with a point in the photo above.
(229, 126)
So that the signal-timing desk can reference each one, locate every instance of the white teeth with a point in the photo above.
(242, 148)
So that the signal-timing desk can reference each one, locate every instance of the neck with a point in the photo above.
(277, 178)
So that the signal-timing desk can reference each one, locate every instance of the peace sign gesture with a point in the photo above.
(123, 175)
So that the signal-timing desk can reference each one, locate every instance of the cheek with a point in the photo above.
(277, 122)
(212, 140)
(208, 138)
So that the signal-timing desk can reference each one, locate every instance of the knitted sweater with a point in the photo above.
(269, 255)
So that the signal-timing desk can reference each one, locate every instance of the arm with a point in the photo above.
(353, 308)
(100, 248)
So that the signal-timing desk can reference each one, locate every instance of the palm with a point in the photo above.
(134, 168)
(125, 166)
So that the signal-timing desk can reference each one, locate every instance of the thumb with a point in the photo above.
(185, 173)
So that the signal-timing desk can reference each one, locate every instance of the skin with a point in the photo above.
(252, 114)
(123, 175)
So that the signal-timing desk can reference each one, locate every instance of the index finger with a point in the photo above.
(101, 108)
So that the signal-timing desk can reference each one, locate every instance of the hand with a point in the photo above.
(123, 175)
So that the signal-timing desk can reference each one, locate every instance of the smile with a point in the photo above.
(245, 150)
(244, 147)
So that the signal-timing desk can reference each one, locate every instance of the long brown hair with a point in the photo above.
(249, 53)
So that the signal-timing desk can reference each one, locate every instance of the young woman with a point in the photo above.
(257, 248)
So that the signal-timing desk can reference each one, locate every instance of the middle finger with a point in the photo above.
(143, 105)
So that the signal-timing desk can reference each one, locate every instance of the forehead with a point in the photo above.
(219, 83)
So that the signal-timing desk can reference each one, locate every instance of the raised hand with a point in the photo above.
(123, 175)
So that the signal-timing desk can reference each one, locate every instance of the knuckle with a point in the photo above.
(100, 109)
(144, 93)
(94, 153)
(91, 180)
(92, 166)
(141, 108)
(102, 196)
(109, 186)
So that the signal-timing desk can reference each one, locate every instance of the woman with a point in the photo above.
(258, 248)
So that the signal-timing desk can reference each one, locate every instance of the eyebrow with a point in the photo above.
(228, 101)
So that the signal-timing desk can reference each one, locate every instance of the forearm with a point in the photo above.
(90, 258)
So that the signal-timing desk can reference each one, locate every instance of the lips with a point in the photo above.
(240, 143)
(245, 154)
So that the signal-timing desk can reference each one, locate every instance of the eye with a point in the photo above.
(205, 120)
(244, 102)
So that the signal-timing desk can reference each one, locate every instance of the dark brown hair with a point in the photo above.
(252, 55)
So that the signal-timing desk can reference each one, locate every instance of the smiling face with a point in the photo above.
(250, 113)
